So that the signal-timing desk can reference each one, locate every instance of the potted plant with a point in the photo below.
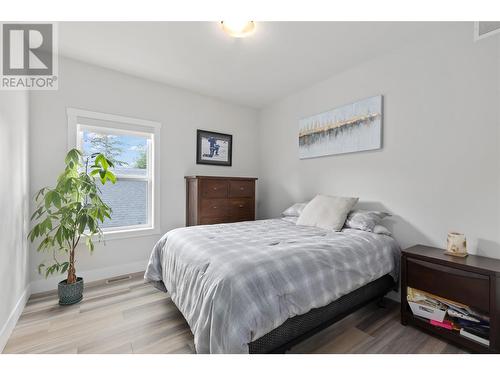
(68, 212)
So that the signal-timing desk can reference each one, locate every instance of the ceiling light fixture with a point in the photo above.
(238, 29)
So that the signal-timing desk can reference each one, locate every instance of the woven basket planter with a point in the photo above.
(70, 293)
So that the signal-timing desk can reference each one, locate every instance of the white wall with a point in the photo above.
(439, 166)
(14, 198)
(180, 112)
(438, 170)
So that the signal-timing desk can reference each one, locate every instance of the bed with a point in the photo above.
(261, 286)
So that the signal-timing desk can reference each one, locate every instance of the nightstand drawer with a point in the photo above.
(469, 288)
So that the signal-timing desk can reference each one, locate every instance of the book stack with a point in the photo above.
(450, 315)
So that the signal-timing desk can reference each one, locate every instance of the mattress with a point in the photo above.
(235, 283)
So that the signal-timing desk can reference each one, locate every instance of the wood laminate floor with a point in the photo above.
(129, 316)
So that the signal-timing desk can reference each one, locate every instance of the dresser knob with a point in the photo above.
(214, 207)
(215, 188)
(242, 188)
(241, 206)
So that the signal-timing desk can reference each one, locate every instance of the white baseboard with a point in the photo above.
(11, 322)
(45, 285)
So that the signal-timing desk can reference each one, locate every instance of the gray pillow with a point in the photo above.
(364, 220)
(294, 210)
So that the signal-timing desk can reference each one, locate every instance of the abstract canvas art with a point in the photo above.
(350, 128)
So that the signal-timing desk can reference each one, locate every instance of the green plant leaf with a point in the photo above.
(111, 176)
(59, 236)
(47, 224)
(82, 223)
(37, 213)
(91, 223)
(64, 267)
(40, 193)
(56, 200)
(73, 156)
(49, 271)
(34, 232)
(89, 243)
(45, 242)
(102, 161)
(48, 199)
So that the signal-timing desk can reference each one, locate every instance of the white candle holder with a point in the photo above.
(457, 245)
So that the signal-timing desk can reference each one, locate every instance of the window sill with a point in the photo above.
(130, 233)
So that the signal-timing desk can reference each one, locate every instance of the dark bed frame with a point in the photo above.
(301, 327)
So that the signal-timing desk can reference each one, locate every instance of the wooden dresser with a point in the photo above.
(473, 281)
(215, 200)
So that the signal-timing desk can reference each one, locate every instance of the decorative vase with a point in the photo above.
(70, 294)
(457, 245)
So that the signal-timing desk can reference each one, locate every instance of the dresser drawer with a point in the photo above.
(469, 288)
(241, 188)
(214, 188)
(213, 208)
(241, 207)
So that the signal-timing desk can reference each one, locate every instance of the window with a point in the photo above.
(131, 144)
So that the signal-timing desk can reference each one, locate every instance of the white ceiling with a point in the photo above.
(279, 59)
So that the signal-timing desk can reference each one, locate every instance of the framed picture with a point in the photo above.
(214, 148)
(351, 128)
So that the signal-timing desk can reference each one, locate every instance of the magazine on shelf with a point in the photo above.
(474, 337)
(480, 331)
(448, 314)
(446, 324)
(456, 314)
(417, 296)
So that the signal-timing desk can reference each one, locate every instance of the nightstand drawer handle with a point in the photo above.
(242, 188)
(241, 206)
(214, 207)
(215, 188)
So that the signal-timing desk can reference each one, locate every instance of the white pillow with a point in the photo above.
(327, 212)
(294, 210)
(380, 229)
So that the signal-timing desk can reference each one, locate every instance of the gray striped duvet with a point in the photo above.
(236, 282)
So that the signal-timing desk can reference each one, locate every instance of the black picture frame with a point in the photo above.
(204, 159)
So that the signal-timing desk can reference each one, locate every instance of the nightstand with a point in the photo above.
(473, 281)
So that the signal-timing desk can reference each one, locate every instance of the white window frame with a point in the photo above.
(151, 130)
(478, 37)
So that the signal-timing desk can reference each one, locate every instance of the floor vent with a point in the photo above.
(117, 279)
(484, 29)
